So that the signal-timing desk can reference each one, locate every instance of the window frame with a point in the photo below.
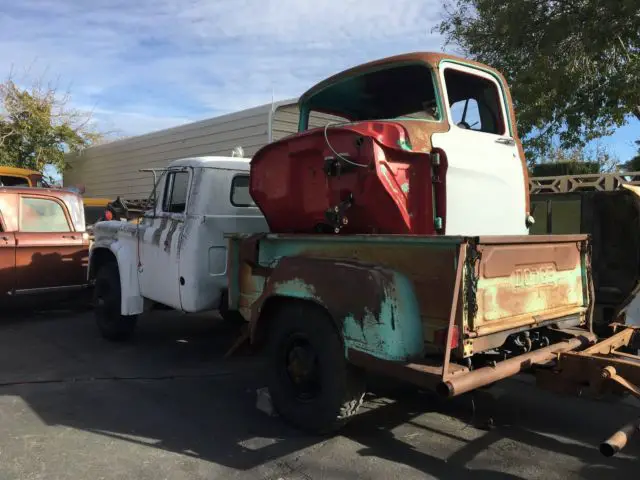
(67, 217)
(232, 188)
(167, 193)
(485, 75)
(305, 109)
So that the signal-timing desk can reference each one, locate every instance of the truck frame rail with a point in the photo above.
(607, 367)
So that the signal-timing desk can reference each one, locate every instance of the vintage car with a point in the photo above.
(43, 241)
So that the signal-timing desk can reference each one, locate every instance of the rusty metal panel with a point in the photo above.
(428, 263)
(509, 284)
(587, 371)
(524, 284)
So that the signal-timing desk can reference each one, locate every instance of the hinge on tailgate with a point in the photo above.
(472, 274)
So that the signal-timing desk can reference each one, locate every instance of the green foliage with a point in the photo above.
(574, 161)
(564, 168)
(573, 66)
(37, 128)
(633, 165)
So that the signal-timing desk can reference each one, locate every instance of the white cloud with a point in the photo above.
(123, 123)
(147, 63)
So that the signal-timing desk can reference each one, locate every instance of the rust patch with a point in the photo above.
(249, 255)
(582, 372)
(507, 368)
(502, 261)
(420, 133)
(431, 270)
(344, 288)
(155, 237)
(172, 230)
(425, 375)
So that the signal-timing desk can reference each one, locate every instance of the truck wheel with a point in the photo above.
(312, 385)
(112, 325)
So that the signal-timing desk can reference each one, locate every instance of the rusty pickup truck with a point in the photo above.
(399, 244)
(43, 243)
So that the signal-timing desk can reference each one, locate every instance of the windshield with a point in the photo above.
(400, 91)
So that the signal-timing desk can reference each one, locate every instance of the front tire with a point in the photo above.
(312, 385)
(107, 294)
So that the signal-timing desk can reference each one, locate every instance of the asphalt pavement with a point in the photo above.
(168, 405)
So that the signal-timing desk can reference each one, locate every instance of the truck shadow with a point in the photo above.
(155, 392)
(517, 415)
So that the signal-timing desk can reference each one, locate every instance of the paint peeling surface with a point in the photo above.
(518, 285)
(376, 308)
(389, 295)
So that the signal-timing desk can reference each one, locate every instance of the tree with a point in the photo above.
(575, 161)
(37, 127)
(633, 165)
(573, 66)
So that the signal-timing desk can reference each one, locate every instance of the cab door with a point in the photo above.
(160, 278)
(50, 254)
(485, 183)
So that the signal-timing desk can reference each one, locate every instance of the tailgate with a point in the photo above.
(525, 281)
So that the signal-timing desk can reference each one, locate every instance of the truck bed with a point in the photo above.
(395, 296)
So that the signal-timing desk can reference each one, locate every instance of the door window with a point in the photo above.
(42, 215)
(475, 102)
(175, 193)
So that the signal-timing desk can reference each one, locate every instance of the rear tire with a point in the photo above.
(107, 294)
(312, 385)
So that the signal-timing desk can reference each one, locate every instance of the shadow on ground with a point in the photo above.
(172, 389)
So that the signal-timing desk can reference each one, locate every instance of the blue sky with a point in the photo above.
(143, 65)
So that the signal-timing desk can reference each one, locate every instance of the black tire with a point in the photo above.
(106, 301)
(337, 388)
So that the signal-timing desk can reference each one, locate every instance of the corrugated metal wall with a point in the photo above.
(285, 120)
(112, 169)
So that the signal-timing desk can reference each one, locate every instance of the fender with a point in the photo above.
(375, 309)
(119, 239)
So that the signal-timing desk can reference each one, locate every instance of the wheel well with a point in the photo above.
(100, 257)
(274, 304)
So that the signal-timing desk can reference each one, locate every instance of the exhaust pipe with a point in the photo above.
(466, 382)
(618, 440)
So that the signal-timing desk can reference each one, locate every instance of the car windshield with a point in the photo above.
(394, 92)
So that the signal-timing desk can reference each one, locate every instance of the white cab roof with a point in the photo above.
(227, 163)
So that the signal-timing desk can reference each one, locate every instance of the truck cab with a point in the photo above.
(421, 143)
(43, 244)
(175, 256)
